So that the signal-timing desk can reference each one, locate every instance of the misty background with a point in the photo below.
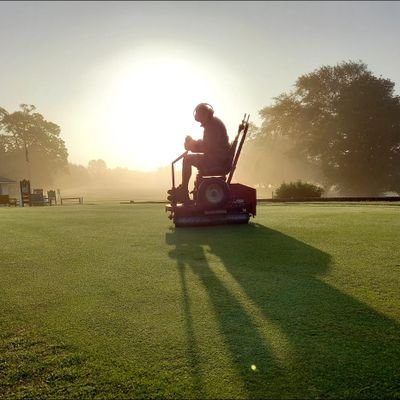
(114, 85)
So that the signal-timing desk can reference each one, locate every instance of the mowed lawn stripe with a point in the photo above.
(302, 302)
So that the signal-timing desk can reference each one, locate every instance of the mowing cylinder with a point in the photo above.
(207, 220)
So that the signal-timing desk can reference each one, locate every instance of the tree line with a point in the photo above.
(30, 145)
(32, 148)
(338, 128)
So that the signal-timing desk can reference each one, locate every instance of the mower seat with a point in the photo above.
(221, 171)
(216, 171)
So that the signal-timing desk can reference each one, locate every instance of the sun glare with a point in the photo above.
(137, 107)
(150, 110)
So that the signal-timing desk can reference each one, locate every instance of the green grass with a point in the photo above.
(110, 301)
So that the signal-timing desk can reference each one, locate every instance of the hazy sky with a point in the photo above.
(122, 78)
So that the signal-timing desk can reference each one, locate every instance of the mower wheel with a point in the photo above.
(213, 193)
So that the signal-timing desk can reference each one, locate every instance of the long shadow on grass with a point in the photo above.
(305, 338)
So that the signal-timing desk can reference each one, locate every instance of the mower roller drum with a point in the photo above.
(208, 220)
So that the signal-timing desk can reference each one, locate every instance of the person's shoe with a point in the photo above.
(171, 195)
(178, 195)
(181, 194)
(184, 198)
(171, 198)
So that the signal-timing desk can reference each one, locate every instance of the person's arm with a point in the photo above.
(195, 146)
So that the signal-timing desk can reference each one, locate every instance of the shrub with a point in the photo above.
(298, 189)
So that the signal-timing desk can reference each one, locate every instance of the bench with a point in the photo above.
(6, 200)
(51, 197)
(79, 199)
(37, 199)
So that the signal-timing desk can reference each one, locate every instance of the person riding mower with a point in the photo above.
(215, 199)
(211, 152)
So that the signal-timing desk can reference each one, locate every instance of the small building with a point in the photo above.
(4, 185)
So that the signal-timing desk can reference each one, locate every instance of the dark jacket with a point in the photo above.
(215, 143)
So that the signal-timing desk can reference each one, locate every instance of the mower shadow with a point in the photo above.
(306, 338)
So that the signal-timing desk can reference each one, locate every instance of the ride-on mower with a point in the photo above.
(215, 199)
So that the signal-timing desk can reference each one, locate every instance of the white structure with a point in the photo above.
(4, 184)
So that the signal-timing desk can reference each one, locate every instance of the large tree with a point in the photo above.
(266, 161)
(345, 122)
(30, 145)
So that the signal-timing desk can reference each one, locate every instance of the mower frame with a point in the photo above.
(239, 205)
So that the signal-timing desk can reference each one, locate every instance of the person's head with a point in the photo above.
(203, 112)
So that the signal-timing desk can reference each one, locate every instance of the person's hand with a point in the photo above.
(188, 141)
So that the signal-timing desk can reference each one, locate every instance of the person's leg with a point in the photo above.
(189, 160)
(181, 193)
(186, 172)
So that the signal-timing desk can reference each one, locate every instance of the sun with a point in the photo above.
(150, 109)
(136, 106)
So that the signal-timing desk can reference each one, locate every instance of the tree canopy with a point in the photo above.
(27, 140)
(344, 122)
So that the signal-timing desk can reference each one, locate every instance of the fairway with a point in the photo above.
(110, 301)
